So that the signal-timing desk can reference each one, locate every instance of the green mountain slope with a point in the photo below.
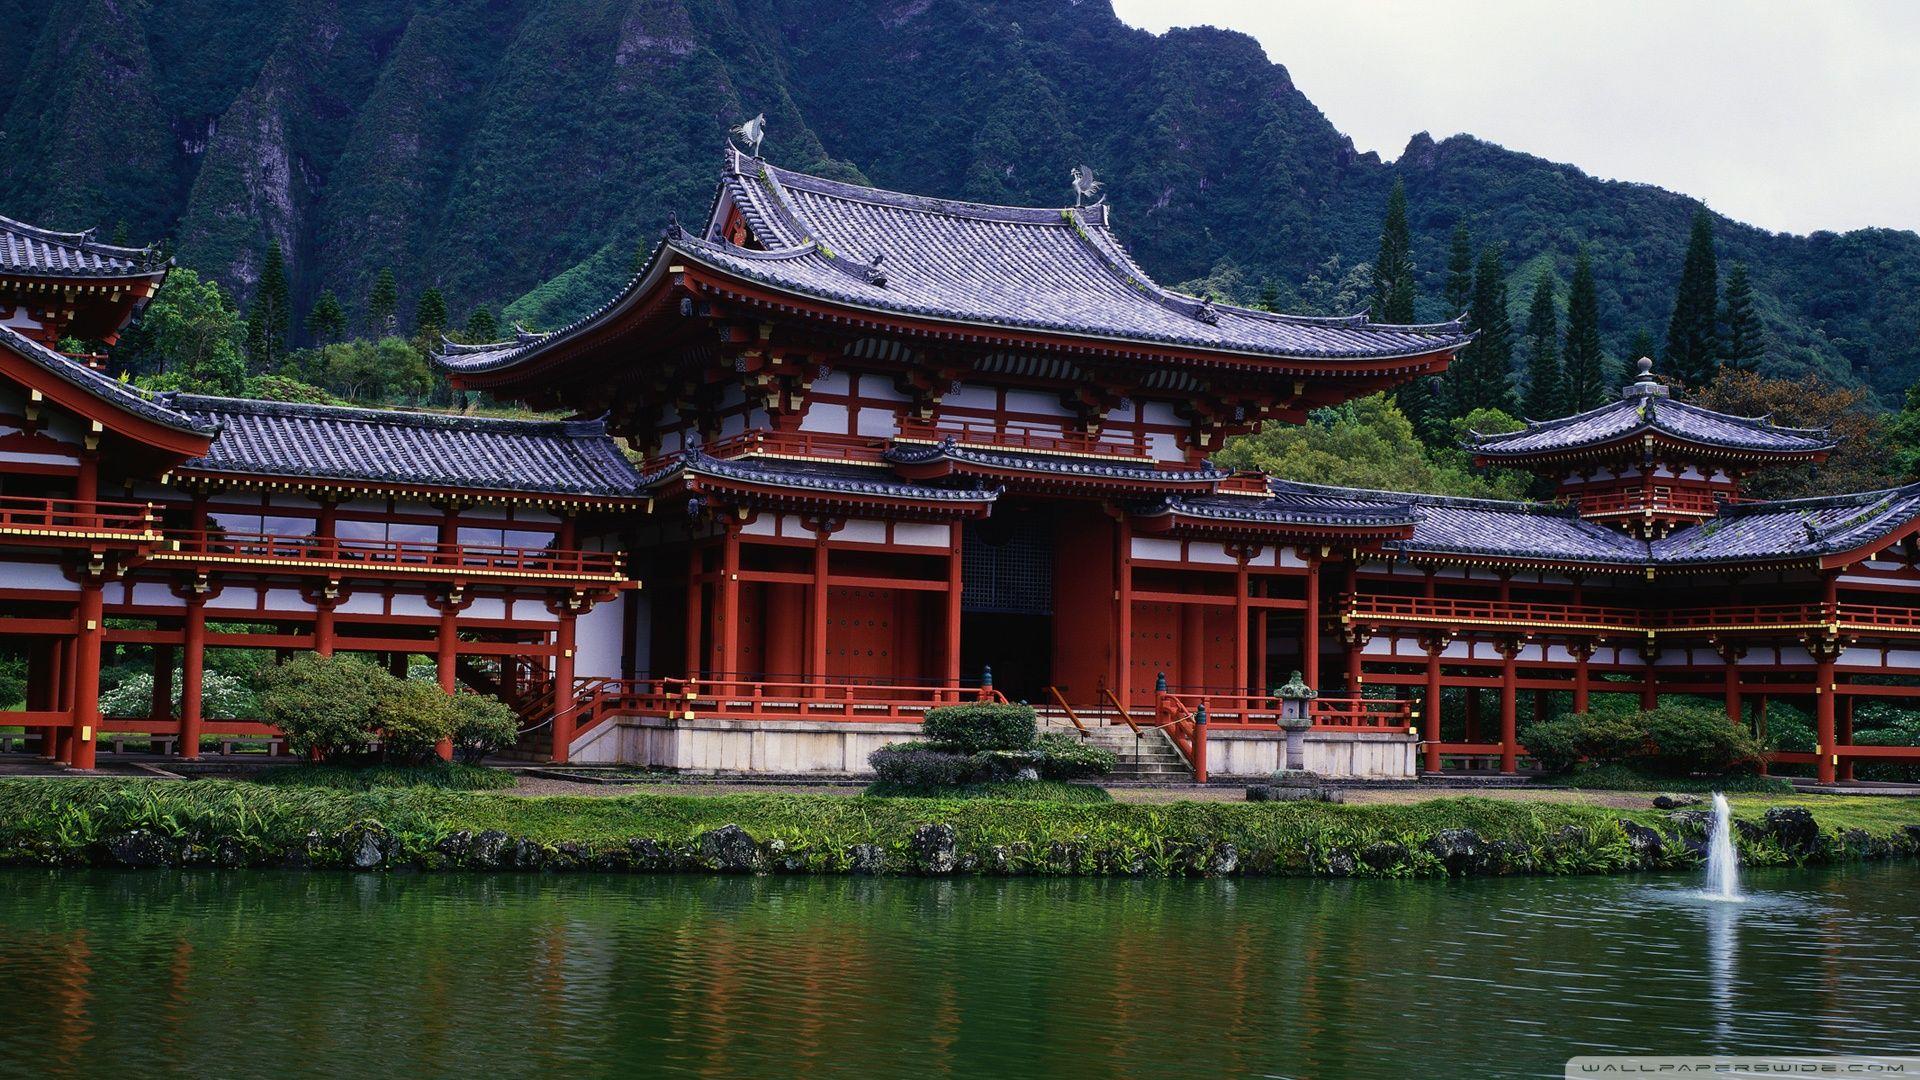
(519, 151)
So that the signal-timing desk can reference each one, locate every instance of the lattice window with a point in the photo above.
(1007, 565)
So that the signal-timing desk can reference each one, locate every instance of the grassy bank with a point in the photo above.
(221, 823)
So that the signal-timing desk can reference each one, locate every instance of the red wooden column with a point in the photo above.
(86, 676)
(1241, 582)
(1509, 694)
(193, 669)
(1310, 626)
(446, 640)
(1844, 737)
(1731, 653)
(1123, 602)
(563, 700)
(1430, 707)
(729, 622)
(817, 611)
(696, 593)
(1582, 677)
(950, 677)
(161, 706)
(1355, 641)
(1825, 654)
(1261, 681)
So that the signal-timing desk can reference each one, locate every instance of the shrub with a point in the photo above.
(919, 765)
(411, 716)
(222, 696)
(973, 728)
(1559, 744)
(1687, 739)
(322, 703)
(1063, 757)
(481, 725)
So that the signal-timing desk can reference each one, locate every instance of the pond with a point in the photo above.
(418, 975)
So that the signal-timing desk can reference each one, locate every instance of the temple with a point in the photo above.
(842, 454)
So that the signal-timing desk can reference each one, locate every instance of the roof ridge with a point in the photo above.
(1819, 502)
(101, 385)
(879, 196)
(83, 240)
(1764, 421)
(575, 428)
(1420, 498)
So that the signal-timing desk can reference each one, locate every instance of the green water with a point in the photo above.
(205, 974)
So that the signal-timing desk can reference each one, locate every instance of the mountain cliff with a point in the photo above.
(518, 152)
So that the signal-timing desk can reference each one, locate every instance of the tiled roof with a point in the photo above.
(30, 250)
(112, 391)
(1632, 416)
(810, 476)
(1493, 528)
(1294, 504)
(1055, 270)
(1793, 528)
(324, 442)
(1094, 468)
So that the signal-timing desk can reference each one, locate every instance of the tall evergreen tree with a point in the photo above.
(1269, 296)
(383, 303)
(482, 326)
(120, 238)
(1393, 267)
(1745, 341)
(1693, 336)
(430, 316)
(1459, 293)
(327, 320)
(1583, 369)
(270, 316)
(1482, 378)
(1546, 389)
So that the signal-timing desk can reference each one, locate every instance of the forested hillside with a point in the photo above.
(515, 153)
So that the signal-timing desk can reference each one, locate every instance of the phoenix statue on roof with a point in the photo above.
(1084, 185)
(752, 132)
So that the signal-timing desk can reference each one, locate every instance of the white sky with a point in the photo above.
(1794, 116)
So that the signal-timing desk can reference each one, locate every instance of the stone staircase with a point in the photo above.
(1148, 759)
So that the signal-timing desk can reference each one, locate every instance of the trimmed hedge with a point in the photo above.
(919, 765)
(1672, 740)
(974, 728)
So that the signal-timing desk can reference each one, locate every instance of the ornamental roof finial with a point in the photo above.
(1644, 384)
(1085, 186)
(752, 132)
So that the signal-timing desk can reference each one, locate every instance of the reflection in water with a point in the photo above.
(323, 974)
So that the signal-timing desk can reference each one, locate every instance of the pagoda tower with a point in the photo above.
(1649, 462)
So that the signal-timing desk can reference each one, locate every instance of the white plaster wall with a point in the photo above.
(596, 642)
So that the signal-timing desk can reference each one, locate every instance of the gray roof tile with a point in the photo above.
(1792, 528)
(322, 442)
(1631, 416)
(112, 391)
(30, 250)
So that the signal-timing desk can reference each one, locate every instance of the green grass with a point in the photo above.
(1623, 778)
(451, 776)
(67, 820)
(1028, 791)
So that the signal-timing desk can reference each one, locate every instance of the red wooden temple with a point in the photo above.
(880, 447)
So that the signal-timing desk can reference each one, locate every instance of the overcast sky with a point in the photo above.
(1794, 116)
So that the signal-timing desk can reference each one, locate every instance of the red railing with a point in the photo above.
(401, 555)
(1445, 610)
(1637, 500)
(817, 445)
(69, 516)
(1728, 617)
(1245, 484)
(740, 699)
(980, 433)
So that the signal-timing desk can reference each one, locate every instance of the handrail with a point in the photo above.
(393, 554)
(1107, 692)
(1722, 617)
(978, 433)
(1635, 500)
(1054, 691)
(76, 515)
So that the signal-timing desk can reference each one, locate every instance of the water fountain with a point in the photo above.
(1723, 865)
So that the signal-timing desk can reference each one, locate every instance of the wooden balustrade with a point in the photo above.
(1725, 618)
(76, 519)
(334, 554)
(1639, 500)
(813, 445)
(744, 699)
(1000, 436)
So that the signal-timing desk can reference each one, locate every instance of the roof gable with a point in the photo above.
(28, 250)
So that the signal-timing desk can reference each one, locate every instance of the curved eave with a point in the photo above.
(1521, 562)
(184, 440)
(647, 289)
(267, 481)
(1176, 521)
(1636, 439)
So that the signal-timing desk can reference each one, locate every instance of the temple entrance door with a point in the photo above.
(1006, 606)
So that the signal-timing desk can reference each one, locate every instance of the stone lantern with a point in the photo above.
(1295, 718)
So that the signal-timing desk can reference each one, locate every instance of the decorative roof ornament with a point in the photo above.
(1644, 384)
(876, 275)
(1206, 312)
(752, 132)
(1085, 186)
(673, 231)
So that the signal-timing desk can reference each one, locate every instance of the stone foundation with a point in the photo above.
(1336, 755)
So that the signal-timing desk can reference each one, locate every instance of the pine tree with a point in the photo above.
(270, 316)
(1269, 296)
(1482, 378)
(383, 303)
(1584, 373)
(120, 237)
(1459, 294)
(1693, 337)
(430, 316)
(1546, 390)
(1393, 268)
(482, 326)
(1746, 339)
(327, 320)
